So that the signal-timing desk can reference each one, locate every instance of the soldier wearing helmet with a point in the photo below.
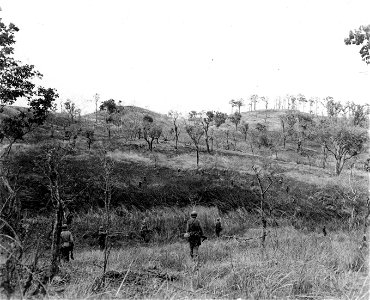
(218, 227)
(145, 231)
(66, 240)
(194, 232)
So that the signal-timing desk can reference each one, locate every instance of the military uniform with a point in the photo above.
(218, 227)
(66, 240)
(195, 233)
(145, 232)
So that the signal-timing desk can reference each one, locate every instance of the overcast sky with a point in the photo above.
(192, 55)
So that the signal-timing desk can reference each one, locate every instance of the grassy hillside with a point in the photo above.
(162, 186)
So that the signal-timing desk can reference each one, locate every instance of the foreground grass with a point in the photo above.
(292, 265)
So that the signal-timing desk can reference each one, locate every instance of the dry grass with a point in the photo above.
(292, 265)
(242, 163)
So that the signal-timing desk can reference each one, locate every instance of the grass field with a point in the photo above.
(293, 265)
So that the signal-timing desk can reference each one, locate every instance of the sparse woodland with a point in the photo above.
(287, 176)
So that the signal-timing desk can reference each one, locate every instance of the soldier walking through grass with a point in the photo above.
(144, 231)
(66, 240)
(218, 227)
(194, 233)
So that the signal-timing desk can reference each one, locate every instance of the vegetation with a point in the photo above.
(290, 186)
(361, 37)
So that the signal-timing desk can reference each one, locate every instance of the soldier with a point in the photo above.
(218, 227)
(67, 244)
(194, 232)
(144, 231)
(102, 238)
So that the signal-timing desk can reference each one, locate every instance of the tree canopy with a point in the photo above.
(16, 81)
(361, 37)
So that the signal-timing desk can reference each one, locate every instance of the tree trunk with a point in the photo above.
(339, 164)
(176, 137)
(324, 156)
(108, 196)
(55, 245)
(197, 156)
(207, 144)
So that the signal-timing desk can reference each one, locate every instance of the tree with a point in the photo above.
(283, 129)
(253, 99)
(107, 166)
(96, 98)
(219, 118)
(206, 122)
(266, 100)
(304, 129)
(16, 81)
(302, 100)
(110, 107)
(342, 141)
(174, 115)
(278, 103)
(72, 110)
(262, 193)
(237, 103)
(151, 131)
(287, 122)
(293, 102)
(235, 119)
(244, 130)
(312, 101)
(89, 135)
(361, 37)
(260, 136)
(53, 159)
(195, 131)
(333, 108)
(360, 115)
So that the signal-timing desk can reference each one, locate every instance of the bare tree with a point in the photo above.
(195, 131)
(54, 158)
(107, 165)
(206, 121)
(175, 115)
(262, 192)
(96, 98)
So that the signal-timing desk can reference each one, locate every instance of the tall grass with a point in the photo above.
(292, 265)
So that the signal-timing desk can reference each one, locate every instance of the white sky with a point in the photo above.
(192, 55)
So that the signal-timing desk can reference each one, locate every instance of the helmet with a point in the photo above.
(193, 213)
(64, 226)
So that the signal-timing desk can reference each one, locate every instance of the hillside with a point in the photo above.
(219, 174)
(162, 186)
